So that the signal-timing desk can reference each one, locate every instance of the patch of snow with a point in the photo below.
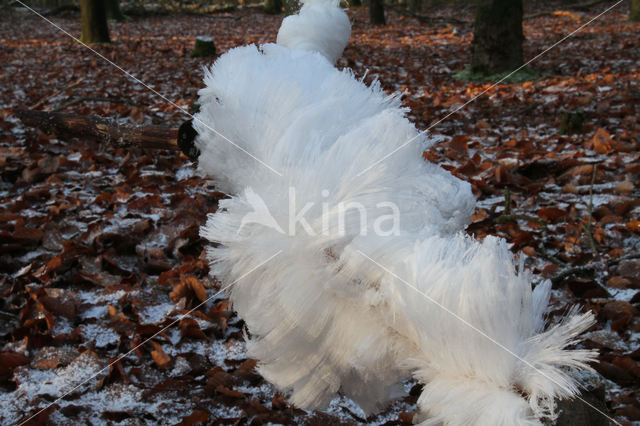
(153, 314)
(185, 172)
(489, 202)
(606, 338)
(54, 382)
(62, 326)
(180, 367)
(623, 294)
(101, 335)
(224, 412)
(102, 297)
(96, 311)
(264, 392)
(337, 406)
(29, 256)
(76, 156)
(220, 352)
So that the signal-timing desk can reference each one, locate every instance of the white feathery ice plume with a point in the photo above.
(357, 301)
(319, 27)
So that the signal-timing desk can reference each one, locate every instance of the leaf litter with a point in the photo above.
(99, 247)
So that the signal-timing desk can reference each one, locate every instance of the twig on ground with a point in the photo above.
(580, 271)
(616, 260)
(354, 415)
(8, 315)
(588, 229)
(64, 89)
(507, 201)
(586, 271)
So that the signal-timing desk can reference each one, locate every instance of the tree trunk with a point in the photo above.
(634, 14)
(94, 22)
(113, 10)
(497, 38)
(376, 12)
(273, 6)
(291, 7)
(355, 3)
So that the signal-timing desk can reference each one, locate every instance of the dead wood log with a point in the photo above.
(108, 131)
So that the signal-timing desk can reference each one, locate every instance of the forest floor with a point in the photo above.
(99, 247)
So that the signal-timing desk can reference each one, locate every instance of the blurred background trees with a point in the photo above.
(497, 37)
(634, 15)
(94, 21)
(419, 8)
(376, 12)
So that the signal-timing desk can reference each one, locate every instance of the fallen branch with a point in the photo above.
(101, 129)
(580, 271)
(108, 131)
(588, 228)
(46, 98)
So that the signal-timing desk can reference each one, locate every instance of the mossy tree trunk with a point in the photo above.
(497, 37)
(94, 22)
(376, 12)
(113, 10)
(634, 14)
(273, 6)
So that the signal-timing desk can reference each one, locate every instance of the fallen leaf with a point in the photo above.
(229, 392)
(161, 359)
(196, 417)
(551, 214)
(624, 187)
(197, 287)
(618, 282)
(602, 141)
(10, 360)
(634, 226)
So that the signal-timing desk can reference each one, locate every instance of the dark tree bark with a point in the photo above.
(376, 12)
(497, 38)
(355, 3)
(273, 6)
(113, 10)
(94, 21)
(634, 14)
